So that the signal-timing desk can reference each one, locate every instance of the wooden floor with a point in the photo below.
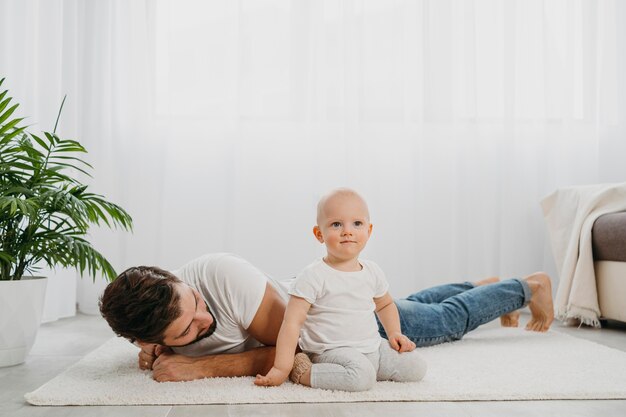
(64, 342)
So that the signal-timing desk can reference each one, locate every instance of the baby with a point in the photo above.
(331, 311)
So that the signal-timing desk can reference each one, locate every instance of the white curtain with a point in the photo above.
(219, 124)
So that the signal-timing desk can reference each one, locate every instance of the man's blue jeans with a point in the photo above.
(447, 312)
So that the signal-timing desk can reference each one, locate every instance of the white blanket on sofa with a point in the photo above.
(570, 214)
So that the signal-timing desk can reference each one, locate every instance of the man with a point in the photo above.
(219, 315)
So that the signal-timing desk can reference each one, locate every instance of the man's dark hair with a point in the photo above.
(140, 303)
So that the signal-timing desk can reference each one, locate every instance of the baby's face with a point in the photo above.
(344, 226)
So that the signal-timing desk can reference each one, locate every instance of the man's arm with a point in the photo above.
(264, 328)
(176, 367)
(268, 318)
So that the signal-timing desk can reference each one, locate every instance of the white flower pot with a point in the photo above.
(21, 305)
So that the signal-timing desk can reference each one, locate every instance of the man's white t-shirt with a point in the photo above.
(233, 289)
(342, 306)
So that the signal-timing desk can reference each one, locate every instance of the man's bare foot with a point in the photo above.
(510, 319)
(540, 305)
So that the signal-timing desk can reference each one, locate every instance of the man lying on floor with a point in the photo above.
(219, 315)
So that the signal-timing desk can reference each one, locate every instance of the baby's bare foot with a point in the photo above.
(541, 306)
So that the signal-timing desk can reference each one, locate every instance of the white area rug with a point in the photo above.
(488, 364)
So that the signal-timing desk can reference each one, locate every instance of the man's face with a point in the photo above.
(194, 323)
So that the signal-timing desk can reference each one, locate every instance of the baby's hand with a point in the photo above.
(274, 377)
(401, 343)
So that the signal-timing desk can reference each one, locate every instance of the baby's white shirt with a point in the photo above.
(342, 306)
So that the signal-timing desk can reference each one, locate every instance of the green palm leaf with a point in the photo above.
(46, 212)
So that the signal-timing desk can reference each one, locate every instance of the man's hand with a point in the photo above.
(170, 366)
(148, 354)
(400, 342)
(273, 378)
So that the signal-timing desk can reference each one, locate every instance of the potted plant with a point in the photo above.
(45, 214)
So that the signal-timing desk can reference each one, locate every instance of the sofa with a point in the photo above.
(608, 237)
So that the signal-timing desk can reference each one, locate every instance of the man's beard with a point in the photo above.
(209, 332)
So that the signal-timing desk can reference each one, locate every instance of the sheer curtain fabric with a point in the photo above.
(219, 124)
